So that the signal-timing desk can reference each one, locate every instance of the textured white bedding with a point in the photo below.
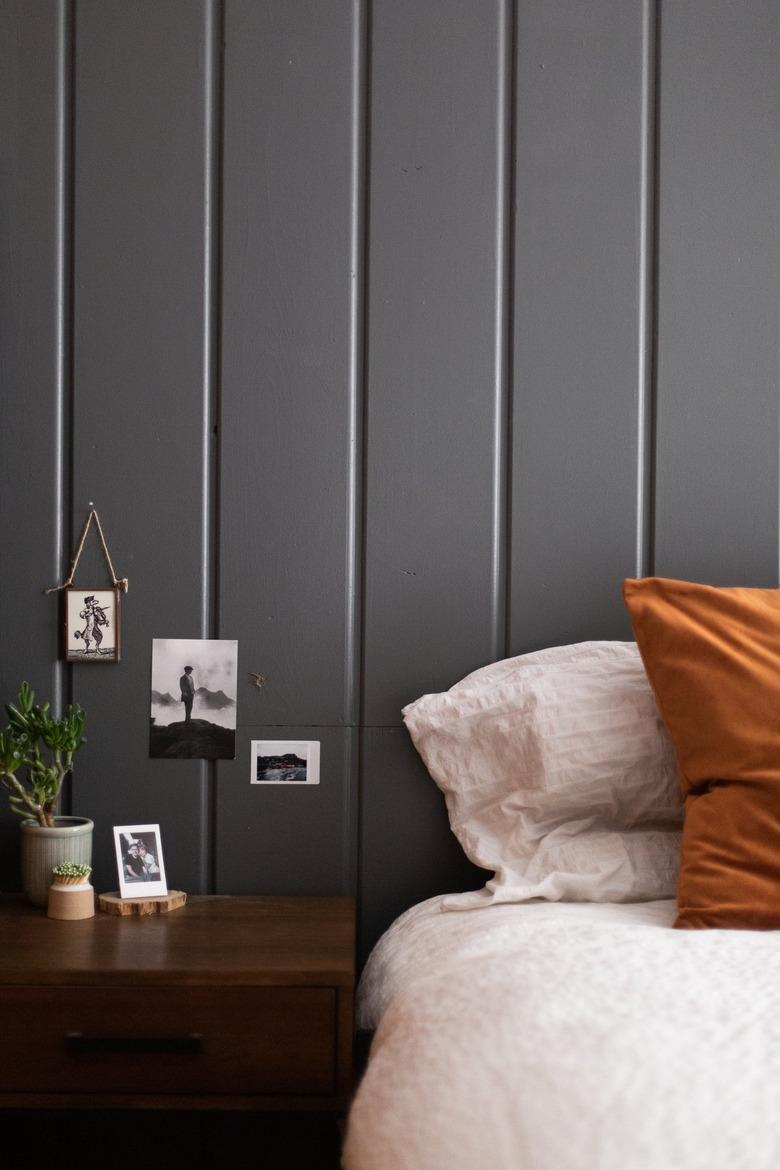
(568, 1037)
(559, 776)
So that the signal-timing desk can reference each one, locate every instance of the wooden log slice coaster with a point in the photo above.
(114, 903)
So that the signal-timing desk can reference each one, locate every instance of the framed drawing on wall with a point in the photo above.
(91, 625)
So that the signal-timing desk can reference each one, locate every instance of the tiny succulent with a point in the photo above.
(72, 869)
(30, 729)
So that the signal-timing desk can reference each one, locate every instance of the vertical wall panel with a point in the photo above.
(287, 839)
(578, 300)
(432, 348)
(287, 503)
(139, 353)
(434, 411)
(34, 110)
(408, 851)
(719, 280)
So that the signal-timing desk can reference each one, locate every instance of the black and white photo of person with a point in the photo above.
(187, 692)
(131, 863)
(146, 857)
(139, 860)
(193, 699)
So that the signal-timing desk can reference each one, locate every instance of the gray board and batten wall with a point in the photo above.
(387, 337)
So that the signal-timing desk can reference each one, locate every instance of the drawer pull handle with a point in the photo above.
(79, 1042)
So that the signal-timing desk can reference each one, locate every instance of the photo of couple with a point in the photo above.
(139, 861)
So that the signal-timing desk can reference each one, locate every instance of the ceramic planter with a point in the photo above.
(69, 840)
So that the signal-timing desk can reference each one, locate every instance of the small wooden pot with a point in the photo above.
(70, 902)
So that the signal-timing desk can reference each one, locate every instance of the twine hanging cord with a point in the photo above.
(119, 582)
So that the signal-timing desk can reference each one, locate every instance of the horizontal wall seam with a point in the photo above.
(323, 726)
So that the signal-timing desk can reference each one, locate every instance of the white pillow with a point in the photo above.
(558, 775)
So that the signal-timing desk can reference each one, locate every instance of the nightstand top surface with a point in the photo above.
(232, 941)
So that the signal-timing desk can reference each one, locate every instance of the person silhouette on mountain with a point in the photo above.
(187, 687)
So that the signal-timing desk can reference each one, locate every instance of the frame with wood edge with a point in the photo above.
(83, 591)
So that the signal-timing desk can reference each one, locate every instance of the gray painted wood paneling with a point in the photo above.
(434, 348)
(33, 191)
(435, 411)
(577, 298)
(362, 316)
(719, 286)
(408, 851)
(141, 381)
(287, 340)
(288, 417)
(287, 839)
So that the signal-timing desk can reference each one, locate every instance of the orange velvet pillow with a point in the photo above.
(713, 660)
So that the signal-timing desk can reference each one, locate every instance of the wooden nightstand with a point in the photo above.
(230, 1002)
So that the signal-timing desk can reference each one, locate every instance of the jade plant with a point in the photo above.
(40, 748)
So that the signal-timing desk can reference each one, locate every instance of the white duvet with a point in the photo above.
(568, 1037)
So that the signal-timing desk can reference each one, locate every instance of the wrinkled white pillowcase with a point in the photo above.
(558, 775)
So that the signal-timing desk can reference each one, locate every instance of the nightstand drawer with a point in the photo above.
(229, 1040)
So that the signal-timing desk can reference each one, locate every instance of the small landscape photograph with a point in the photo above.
(193, 699)
(285, 761)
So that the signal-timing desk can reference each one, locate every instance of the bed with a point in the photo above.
(556, 1019)
(565, 1036)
